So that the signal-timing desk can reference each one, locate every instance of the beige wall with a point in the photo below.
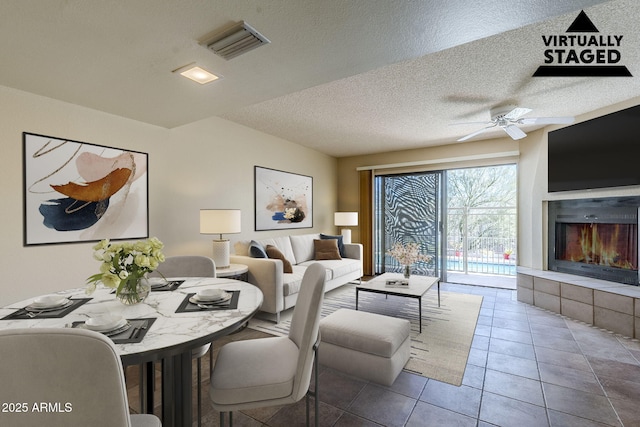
(532, 178)
(208, 164)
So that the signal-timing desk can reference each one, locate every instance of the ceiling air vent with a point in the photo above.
(235, 41)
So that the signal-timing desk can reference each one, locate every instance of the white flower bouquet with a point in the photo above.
(407, 254)
(125, 264)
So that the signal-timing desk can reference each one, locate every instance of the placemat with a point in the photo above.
(187, 306)
(23, 313)
(134, 332)
(171, 285)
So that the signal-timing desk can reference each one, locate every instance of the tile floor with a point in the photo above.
(527, 367)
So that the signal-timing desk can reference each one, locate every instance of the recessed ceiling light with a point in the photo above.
(196, 73)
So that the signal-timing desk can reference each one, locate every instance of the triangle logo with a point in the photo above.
(584, 54)
(582, 24)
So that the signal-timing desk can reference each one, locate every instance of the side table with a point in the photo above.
(234, 271)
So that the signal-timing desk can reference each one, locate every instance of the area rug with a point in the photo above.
(440, 352)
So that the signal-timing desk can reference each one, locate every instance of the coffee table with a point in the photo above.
(418, 286)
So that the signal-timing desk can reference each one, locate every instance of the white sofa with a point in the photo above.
(281, 289)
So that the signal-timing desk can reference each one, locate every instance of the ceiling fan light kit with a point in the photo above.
(509, 112)
(508, 117)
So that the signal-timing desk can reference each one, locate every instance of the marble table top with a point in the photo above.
(172, 333)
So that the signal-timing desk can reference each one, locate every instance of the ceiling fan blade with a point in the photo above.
(478, 132)
(516, 113)
(470, 123)
(546, 120)
(514, 131)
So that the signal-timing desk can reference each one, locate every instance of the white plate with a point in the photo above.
(118, 330)
(105, 323)
(195, 300)
(36, 309)
(49, 301)
(211, 295)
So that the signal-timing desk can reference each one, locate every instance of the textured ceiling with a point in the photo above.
(342, 77)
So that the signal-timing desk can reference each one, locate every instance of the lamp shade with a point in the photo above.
(345, 219)
(220, 221)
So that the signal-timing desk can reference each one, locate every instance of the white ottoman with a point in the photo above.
(367, 345)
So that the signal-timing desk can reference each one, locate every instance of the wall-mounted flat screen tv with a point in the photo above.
(598, 153)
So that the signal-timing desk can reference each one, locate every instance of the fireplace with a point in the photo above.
(595, 238)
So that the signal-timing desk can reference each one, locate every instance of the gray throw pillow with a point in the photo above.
(256, 250)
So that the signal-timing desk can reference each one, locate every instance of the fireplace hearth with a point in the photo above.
(595, 238)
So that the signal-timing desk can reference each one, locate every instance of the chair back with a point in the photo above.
(66, 377)
(186, 266)
(305, 324)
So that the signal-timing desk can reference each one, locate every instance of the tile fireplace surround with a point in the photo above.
(607, 305)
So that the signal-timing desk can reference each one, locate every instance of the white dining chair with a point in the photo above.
(60, 377)
(186, 266)
(275, 370)
(190, 266)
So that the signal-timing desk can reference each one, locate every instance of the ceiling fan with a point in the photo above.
(508, 117)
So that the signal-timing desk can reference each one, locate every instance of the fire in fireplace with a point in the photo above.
(613, 245)
(595, 238)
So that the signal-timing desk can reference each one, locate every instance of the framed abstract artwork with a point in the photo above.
(78, 192)
(283, 200)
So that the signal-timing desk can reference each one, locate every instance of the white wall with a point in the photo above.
(532, 189)
(208, 164)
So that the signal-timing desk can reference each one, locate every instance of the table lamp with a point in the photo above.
(220, 221)
(345, 219)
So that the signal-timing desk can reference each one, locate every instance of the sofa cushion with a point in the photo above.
(340, 242)
(275, 253)
(302, 246)
(365, 332)
(337, 267)
(284, 244)
(326, 249)
(256, 250)
(291, 282)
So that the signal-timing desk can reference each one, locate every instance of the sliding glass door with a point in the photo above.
(408, 208)
(482, 221)
(466, 219)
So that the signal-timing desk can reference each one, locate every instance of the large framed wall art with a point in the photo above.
(78, 192)
(283, 200)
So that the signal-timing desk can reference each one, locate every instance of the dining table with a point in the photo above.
(166, 327)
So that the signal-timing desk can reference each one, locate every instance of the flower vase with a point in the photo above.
(134, 291)
(407, 271)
